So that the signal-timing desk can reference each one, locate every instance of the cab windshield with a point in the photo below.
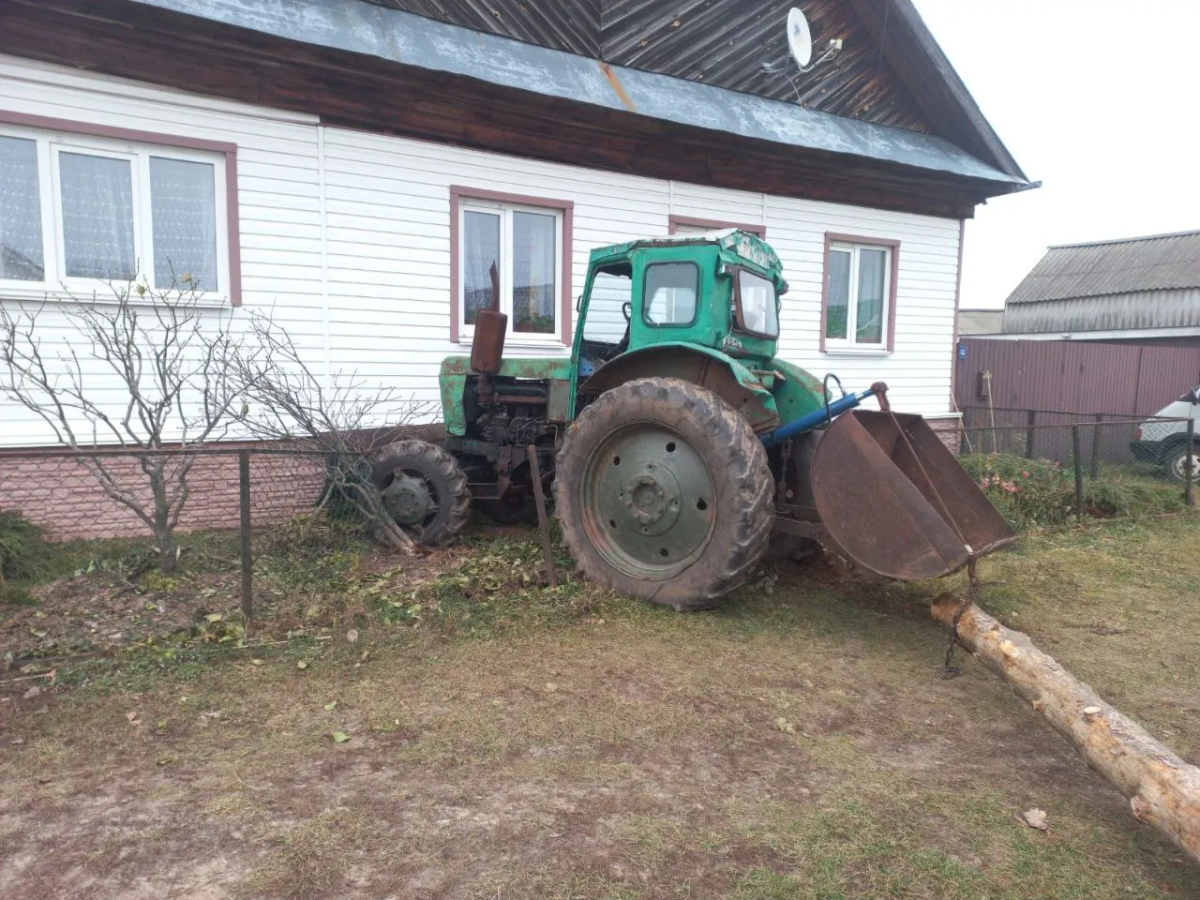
(757, 305)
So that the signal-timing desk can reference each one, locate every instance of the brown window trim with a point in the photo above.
(835, 238)
(233, 230)
(673, 222)
(458, 193)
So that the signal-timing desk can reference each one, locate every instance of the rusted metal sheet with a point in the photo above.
(896, 501)
(618, 88)
(1073, 376)
(487, 347)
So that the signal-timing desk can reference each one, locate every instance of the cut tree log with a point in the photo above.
(1163, 790)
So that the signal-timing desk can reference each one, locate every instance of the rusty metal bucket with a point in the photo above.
(896, 501)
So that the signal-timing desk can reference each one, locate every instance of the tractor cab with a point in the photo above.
(717, 291)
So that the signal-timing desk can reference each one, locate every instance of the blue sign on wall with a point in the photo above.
(962, 351)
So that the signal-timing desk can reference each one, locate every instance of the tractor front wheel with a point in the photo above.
(664, 492)
(424, 491)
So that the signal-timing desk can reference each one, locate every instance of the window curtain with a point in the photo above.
(838, 307)
(533, 272)
(97, 208)
(481, 251)
(184, 208)
(21, 256)
(871, 277)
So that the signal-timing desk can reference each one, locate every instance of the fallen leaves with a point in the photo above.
(340, 737)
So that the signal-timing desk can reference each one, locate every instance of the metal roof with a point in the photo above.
(1075, 271)
(890, 71)
(411, 40)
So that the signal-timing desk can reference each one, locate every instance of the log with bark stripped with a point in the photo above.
(1163, 790)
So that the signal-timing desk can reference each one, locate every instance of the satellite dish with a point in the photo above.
(799, 38)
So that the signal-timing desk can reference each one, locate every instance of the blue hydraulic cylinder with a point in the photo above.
(815, 419)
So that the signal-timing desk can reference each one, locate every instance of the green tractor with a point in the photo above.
(680, 447)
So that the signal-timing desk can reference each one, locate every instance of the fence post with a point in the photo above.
(1095, 471)
(244, 503)
(1189, 487)
(1031, 421)
(1078, 472)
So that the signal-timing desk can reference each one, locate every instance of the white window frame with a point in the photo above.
(57, 285)
(466, 332)
(849, 342)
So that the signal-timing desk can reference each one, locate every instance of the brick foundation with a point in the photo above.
(949, 431)
(64, 499)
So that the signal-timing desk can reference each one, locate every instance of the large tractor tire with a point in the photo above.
(424, 491)
(664, 492)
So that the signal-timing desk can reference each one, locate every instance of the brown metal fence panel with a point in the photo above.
(1073, 377)
(1166, 372)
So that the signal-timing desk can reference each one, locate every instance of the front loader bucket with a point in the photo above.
(896, 501)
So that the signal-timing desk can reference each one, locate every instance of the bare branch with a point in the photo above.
(173, 364)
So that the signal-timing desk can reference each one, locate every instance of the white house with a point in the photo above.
(356, 167)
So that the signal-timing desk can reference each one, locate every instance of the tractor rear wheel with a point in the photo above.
(664, 492)
(424, 491)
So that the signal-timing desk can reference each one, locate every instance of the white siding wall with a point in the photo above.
(346, 237)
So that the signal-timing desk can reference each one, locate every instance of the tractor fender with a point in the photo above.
(712, 369)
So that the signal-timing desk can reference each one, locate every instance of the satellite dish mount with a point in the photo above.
(800, 42)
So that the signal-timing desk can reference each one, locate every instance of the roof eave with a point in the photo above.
(406, 39)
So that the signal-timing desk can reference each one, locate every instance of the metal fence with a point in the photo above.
(240, 487)
(1090, 447)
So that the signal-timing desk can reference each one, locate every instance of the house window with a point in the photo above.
(858, 310)
(517, 245)
(79, 211)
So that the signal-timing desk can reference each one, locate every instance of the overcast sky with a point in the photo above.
(1096, 99)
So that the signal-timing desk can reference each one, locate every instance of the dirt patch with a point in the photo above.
(798, 743)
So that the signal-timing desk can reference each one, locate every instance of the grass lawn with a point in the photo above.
(483, 737)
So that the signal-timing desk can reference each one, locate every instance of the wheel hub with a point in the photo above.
(408, 500)
(651, 499)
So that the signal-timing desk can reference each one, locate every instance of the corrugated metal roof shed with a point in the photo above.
(1154, 263)
(1138, 284)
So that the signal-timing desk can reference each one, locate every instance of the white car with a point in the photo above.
(1166, 443)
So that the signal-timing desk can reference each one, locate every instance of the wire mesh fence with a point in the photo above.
(243, 487)
(1112, 464)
